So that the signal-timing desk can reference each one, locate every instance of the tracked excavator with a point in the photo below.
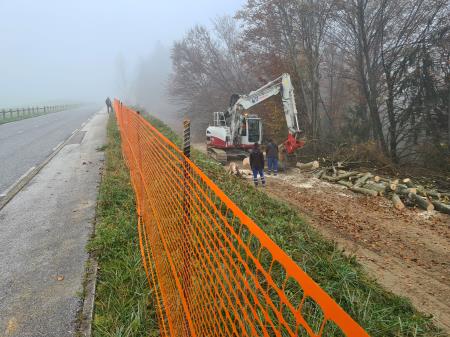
(234, 132)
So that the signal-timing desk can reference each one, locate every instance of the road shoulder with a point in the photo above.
(45, 229)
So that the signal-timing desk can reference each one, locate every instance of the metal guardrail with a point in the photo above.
(33, 111)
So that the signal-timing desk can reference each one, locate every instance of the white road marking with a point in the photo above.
(57, 146)
(4, 194)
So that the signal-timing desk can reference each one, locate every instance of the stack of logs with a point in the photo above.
(401, 192)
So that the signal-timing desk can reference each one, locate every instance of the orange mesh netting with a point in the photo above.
(213, 271)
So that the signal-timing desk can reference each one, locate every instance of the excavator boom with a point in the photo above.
(282, 85)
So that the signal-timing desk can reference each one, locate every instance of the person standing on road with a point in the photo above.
(272, 157)
(257, 165)
(108, 104)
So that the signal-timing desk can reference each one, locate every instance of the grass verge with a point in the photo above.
(123, 299)
(378, 311)
(123, 304)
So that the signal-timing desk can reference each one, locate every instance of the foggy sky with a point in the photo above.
(67, 50)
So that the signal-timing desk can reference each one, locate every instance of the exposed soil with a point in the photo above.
(407, 251)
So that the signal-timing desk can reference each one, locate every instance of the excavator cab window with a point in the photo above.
(253, 130)
(244, 127)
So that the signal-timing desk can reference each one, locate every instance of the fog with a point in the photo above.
(82, 51)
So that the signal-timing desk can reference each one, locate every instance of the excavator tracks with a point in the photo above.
(218, 155)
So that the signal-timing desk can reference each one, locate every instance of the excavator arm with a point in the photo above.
(281, 85)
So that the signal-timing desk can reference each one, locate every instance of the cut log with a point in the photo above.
(398, 204)
(380, 188)
(404, 190)
(246, 163)
(408, 182)
(247, 174)
(361, 181)
(361, 190)
(319, 174)
(393, 185)
(428, 193)
(345, 183)
(377, 179)
(433, 194)
(309, 166)
(356, 176)
(441, 207)
(364, 191)
(234, 169)
(421, 202)
(341, 177)
(384, 180)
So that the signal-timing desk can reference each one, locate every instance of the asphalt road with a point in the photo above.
(44, 232)
(27, 143)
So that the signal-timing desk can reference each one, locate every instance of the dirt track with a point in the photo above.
(407, 251)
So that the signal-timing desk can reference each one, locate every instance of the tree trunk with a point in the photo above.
(341, 177)
(309, 166)
(439, 206)
(361, 181)
(391, 117)
(380, 188)
(421, 202)
(364, 191)
(397, 202)
(448, 116)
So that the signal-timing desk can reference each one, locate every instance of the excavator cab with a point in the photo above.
(251, 130)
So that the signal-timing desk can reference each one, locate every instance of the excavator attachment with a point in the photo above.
(292, 144)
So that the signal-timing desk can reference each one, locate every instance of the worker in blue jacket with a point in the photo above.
(272, 157)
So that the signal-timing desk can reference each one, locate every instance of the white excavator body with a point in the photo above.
(234, 132)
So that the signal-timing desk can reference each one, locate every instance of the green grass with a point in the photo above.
(123, 302)
(123, 299)
(378, 311)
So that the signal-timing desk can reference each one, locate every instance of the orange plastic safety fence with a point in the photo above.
(213, 271)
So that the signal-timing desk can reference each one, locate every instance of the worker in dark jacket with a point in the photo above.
(272, 157)
(109, 104)
(257, 164)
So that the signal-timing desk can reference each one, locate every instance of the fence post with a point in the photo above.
(186, 236)
(187, 138)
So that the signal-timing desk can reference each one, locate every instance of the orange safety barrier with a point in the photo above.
(213, 271)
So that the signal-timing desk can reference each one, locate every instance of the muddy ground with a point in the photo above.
(407, 251)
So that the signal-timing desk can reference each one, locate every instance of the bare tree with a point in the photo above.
(208, 68)
(407, 28)
(294, 31)
(359, 29)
